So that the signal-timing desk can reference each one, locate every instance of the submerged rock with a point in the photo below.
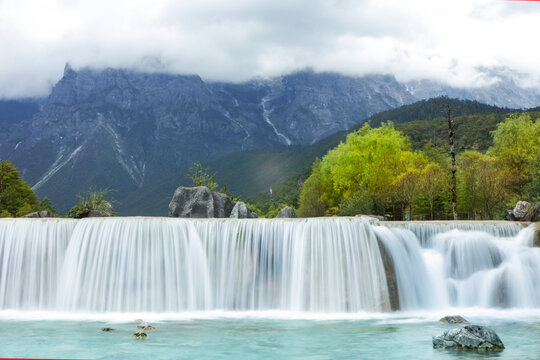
(143, 326)
(139, 334)
(469, 337)
(453, 319)
(241, 211)
(286, 212)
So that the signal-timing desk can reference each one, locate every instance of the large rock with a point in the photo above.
(286, 212)
(469, 337)
(524, 211)
(536, 235)
(391, 280)
(199, 202)
(241, 211)
(39, 214)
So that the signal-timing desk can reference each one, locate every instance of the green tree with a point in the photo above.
(408, 183)
(312, 198)
(469, 181)
(516, 144)
(492, 184)
(200, 176)
(25, 209)
(432, 184)
(14, 191)
(368, 162)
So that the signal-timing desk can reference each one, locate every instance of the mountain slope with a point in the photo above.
(249, 173)
(127, 131)
(123, 130)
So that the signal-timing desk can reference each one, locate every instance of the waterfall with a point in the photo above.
(328, 265)
(31, 257)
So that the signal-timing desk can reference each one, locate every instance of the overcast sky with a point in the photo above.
(453, 41)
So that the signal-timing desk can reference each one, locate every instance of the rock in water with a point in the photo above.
(139, 334)
(241, 211)
(453, 319)
(469, 337)
(199, 202)
(286, 212)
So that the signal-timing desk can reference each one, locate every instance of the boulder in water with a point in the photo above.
(241, 211)
(139, 334)
(524, 211)
(39, 214)
(469, 337)
(286, 212)
(453, 319)
(143, 326)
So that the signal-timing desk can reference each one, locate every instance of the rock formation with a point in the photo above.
(390, 273)
(453, 319)
(286, 212)
(469, 337)
(39, 214)
(524, 211)
(241, 211)
(201, 202)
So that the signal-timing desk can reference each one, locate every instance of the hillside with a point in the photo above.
(251, 174)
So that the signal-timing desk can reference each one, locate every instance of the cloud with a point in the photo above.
(449, 41)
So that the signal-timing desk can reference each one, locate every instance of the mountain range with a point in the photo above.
(129, 131)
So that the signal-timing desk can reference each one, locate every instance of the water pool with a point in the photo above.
(396, 336)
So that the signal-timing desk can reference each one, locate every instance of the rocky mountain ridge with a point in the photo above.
(121, 129)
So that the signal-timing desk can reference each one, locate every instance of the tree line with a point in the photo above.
(377, 171)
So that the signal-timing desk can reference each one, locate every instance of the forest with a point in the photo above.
(382, 171)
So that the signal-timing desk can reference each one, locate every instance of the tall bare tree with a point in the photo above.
(451, 126)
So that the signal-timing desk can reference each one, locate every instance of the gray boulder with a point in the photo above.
(241, 211)
(97, 213)
(286, 212)
(39, 214)
(453, 319)
(523, 211)
(469, 337)
(199, 202)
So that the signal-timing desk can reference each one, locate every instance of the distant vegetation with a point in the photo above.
(16, 196)
(92, 200)
(379, 171)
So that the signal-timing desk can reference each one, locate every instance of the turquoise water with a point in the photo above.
(393, 337)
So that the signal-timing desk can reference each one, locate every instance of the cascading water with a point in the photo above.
(324, 265)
